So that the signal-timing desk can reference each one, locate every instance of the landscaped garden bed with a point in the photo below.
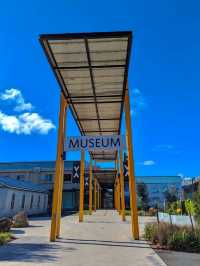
(173, 237)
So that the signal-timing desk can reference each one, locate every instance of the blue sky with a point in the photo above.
(163, 78)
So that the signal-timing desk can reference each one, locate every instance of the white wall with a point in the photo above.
(6, 198)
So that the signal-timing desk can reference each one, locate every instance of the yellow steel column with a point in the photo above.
(116, 206)
(100, 198)
(118, 185)
(95, 194)
(117, 196)
(114, 194)
(57, 180)
(62, 177)
(81, 200)
(90, 189)
(122, 188)
(119, 200)
(132, 187)
(99, 195)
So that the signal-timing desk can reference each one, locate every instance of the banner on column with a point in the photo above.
(125, 166)
(76, 173)
(112, 142)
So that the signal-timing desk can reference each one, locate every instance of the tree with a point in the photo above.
(143, 195)
(196, 200)
(171, 195)
(190, 208)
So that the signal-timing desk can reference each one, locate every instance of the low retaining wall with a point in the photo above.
(175, 219)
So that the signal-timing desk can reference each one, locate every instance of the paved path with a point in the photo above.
(173, 258)
(101, 240)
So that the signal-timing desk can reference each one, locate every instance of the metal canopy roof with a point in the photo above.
(92, 70)
(105, 176)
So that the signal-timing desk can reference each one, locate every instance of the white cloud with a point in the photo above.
(136, 92)
(16, 95)
(138, 102)
(9, 123)
(163, 147)
(181, 175)
(147, 163)
(10, 94)
(25, 123)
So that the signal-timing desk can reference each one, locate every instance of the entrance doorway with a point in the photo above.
(108, 200)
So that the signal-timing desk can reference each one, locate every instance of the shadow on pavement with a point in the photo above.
(133, 244)
(31, 252)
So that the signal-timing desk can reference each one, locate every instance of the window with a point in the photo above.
(12, 205)
(49, 177)
(46, 177)
(31, 205)
(23, 201)
(21, 177)
(38, 203)
(67, 177)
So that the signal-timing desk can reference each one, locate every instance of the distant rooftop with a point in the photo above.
(32, 166)
(159, 179)
(21, 185)
(50, 166)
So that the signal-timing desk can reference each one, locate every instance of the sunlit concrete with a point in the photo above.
(102, 239)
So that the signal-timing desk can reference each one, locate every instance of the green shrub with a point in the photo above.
(5, 237)
(196, 199)
(185, 239)
(150, 232)
(174, 207)
(180, 238)
(141, 213)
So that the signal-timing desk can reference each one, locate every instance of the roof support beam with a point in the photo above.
(97, 131)
(100, 119)
(98, 96)
(92, 80)
(86, 67)
(95, 102)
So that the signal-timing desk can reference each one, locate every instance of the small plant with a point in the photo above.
(174, 207)
(141, 213)
(196, 200)
(152, 211)
(150, 232)
(5, 237)
(190, 209)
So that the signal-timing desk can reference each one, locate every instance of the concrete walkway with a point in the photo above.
(101, 240)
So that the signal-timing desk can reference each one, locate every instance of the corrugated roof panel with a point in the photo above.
(108, 44)
(109, 124)
(21, 185)
(92, 70)
(108, 109)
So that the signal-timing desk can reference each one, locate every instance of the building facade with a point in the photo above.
(190, 186)
(156, 188)
(42, 173)
(19, 196)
